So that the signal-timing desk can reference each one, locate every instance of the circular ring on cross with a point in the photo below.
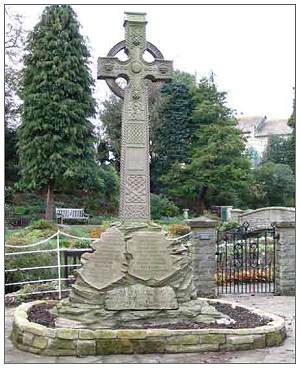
(111, 82)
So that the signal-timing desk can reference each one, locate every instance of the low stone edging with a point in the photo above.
(35, 338)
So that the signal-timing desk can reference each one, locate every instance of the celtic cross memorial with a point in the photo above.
(135, 176)
(135, 268)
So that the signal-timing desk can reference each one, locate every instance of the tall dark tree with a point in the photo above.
(111, 118)
(276, 151)
(272, 185)
(55, 139)
(291, 154)
(282, 150)
(161, 103)
(217, 164)
(171, 126)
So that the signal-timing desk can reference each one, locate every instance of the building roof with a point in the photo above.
(248, 123)
(263, 127)
(274, 127)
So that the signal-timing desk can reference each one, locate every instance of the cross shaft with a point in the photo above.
(135, 175)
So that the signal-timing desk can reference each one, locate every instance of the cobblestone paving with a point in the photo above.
(280, 305)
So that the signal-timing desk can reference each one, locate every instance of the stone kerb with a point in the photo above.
(35, 338)
(203, 254)
(285, 269)
(264, 217)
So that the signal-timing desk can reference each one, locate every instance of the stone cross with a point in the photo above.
(135, 158)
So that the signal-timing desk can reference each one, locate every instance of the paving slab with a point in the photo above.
(283, 306)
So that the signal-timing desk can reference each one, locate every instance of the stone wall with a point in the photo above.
(285, 270)
(203, 255)
(263, 217)
(235, 213)
(38, 339)
(285, 262)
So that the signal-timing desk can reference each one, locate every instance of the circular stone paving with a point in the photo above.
(36, 338)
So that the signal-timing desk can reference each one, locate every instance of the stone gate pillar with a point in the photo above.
(203, 253)
(285, 258)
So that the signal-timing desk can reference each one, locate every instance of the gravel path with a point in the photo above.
(280, 305)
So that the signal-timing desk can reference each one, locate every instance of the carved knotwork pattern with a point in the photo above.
(135, 36)
(136, 189)
(136, 111)
(138, 211)
(108, 65)
(136, 108)
(135, 133)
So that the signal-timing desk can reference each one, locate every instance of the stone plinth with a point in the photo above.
(135, 273)
(203, 254)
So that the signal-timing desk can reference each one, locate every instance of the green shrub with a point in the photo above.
(162, 206)
(21, 211)
(18, 238)
(42, 224)
(228, 226)
(224, 199)
(74, 243)
(171, 220)
(34, 288)
(81, 244)
(66, 243)
(29, 260)
(31, 234)
(9, 194)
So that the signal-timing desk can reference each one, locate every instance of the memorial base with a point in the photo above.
(134, 272)
(71, 315)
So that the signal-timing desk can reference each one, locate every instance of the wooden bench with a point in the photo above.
(71, 214)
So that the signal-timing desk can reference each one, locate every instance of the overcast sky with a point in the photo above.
(251, 49)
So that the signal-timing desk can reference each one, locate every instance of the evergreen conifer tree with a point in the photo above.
(291, 151)
(55, 139)
(217, 161)
(171, 126)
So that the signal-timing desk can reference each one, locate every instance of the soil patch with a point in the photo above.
(243, 319)
(40, 314)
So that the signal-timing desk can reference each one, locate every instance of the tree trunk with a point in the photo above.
(200, 202)
(50, 202)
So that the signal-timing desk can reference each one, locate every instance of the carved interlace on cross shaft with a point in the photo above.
(135, 182)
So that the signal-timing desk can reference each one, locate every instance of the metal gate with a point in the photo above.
(246, 260)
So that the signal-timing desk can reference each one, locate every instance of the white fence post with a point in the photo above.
(58, 265)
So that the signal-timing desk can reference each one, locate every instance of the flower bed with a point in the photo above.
(36, 338)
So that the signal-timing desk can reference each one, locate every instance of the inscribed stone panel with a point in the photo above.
(141, 297)
(105, 264)
(136, 158)
(151, 259)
